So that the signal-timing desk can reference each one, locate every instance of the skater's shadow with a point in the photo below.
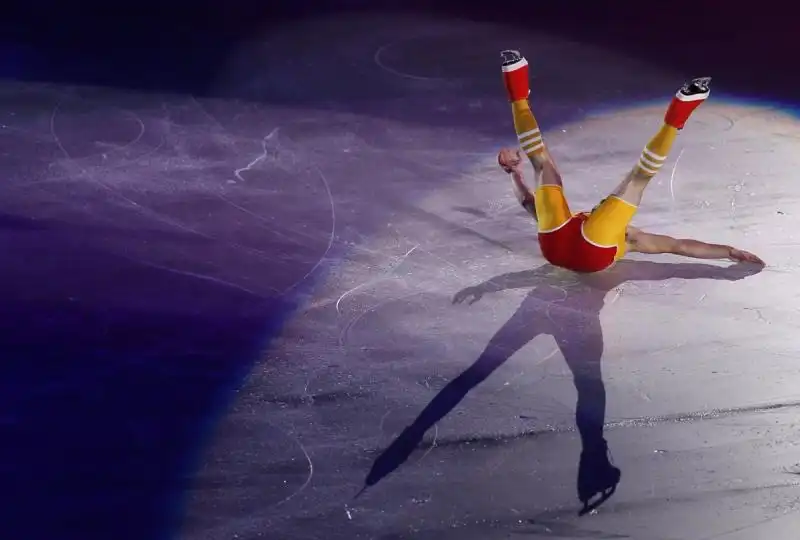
(566, 306)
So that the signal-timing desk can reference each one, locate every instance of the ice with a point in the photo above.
(249, 302)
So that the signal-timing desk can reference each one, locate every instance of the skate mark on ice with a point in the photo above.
(331, 236)
(223, 130)
(310, 475)
(60, 145)
(759, 314)
(271, 138)
(343, 335)
(54, 134)
(672, 176)
(258, 159)
(388, 275)
(203, 277)
(378, 59)
(434, 443)
(142, 129)
(94, 180)
(385, 416)
(265, 224)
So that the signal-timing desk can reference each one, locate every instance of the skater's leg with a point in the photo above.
(551, 205)
(685, 101)
(515, 78)
(632, 187)
(608, 223)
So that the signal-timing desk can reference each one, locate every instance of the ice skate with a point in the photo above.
(686, 100)
(515, 75)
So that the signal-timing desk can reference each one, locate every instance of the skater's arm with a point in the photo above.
(510, 161)
(642, 242)
(523, 194)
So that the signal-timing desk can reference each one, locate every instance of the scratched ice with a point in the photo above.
(423, 214)
(429, 335)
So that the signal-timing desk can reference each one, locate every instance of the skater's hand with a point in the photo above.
(745, 256)
(509, 159)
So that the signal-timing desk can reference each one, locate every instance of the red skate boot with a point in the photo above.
(686, 100)
(515, 75)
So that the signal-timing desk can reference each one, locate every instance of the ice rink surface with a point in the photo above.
(243, 306)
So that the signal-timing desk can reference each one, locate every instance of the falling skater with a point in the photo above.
(594, 241)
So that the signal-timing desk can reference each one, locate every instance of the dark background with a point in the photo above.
(174, 45)
(752, 49)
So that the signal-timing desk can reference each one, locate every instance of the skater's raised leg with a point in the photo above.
(685, 101)
(551, 208)
(608, 223)
(515, 77)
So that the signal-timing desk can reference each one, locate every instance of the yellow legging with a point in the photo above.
(607, 223)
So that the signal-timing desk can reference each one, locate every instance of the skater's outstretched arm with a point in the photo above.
(643, 242)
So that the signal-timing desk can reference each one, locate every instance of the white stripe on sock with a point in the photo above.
(530, 142)
(527, 134)
(650, 162)
(645, 168)
(653, 155)
(533, 149)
